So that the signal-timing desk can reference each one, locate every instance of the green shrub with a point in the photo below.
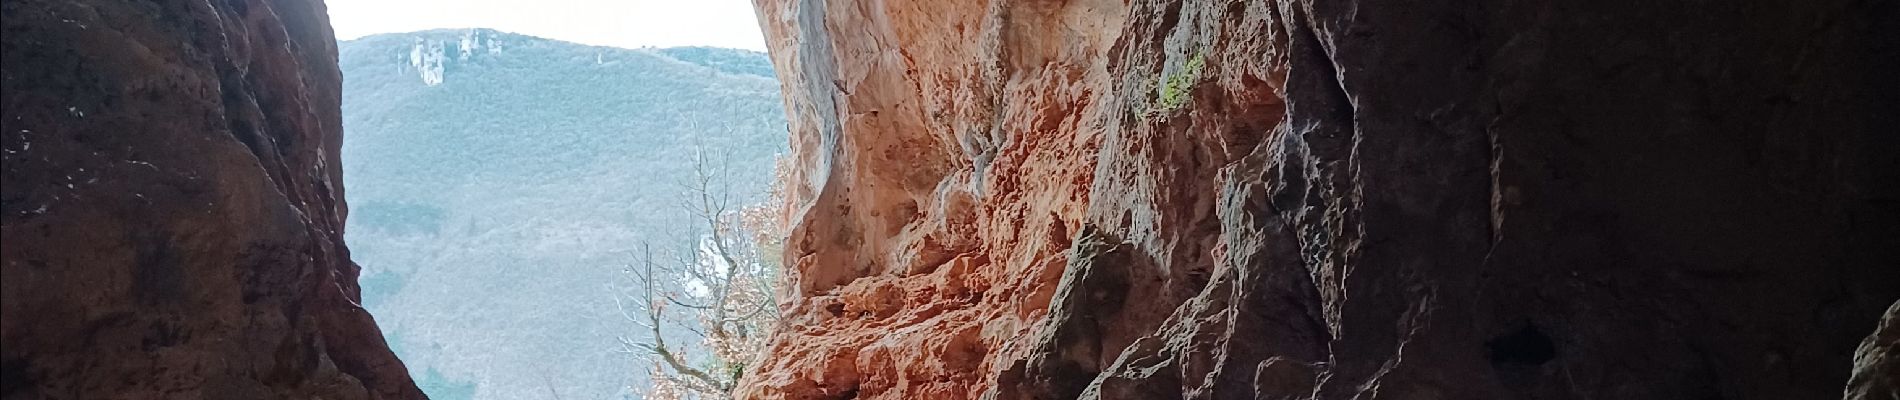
(1175, 87)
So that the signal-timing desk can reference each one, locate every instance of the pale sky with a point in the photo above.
(622, 23)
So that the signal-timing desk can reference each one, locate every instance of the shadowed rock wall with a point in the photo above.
(1336, 199)
(172, 206)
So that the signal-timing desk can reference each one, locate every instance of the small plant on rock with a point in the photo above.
(1174, 87)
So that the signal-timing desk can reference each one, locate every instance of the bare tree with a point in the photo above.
(720, 291)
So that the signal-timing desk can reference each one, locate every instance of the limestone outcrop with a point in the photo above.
(1305, 199)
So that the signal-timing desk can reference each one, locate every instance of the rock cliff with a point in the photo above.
(1877, 362)
(1294, 199)
(172, 206)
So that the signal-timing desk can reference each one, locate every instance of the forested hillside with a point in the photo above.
(498, 184)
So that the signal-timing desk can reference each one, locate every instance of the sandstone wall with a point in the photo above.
(1436, 199)
(172, 206)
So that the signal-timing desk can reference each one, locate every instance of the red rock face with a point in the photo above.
(1334, 199)
(172, 206)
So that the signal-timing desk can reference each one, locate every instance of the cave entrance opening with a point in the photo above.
(562, 199)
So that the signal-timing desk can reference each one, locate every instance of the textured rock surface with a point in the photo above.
(1335, 199)
(172, 206)
(1877, 362)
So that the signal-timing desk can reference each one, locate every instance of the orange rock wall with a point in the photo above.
(1333, 199)
(961, 273)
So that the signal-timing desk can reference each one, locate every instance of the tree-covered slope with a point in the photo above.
(497, 184)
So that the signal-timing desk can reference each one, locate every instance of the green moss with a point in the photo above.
(1175, 87)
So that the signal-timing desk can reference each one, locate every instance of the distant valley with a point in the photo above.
(498, 183)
